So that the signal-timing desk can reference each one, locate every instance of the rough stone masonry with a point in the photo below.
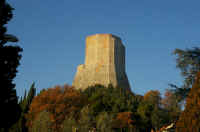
(104, 63)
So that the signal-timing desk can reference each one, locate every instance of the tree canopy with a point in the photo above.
(188, 61)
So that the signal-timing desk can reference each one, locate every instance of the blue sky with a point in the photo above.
(52, 34)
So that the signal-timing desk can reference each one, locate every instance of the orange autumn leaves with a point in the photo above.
(190, 117)
(124, 119)
(59, 102)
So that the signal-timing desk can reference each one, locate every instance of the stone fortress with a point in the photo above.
(104, 63)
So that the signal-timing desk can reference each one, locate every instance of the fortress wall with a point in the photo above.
(91, 51)
(102, 66)
(119, 61)
(112, 62)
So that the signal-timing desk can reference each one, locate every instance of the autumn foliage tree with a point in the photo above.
(189, 120)
(59, 102)
(125, 120)
(171, 103)
(153, 97)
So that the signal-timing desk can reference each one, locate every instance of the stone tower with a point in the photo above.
(104, 63)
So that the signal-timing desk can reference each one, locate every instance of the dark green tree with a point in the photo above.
(188, 61)
(152, 114)
(110, 99)
(86, 121)
(104, 122)
(42, 123)
(9, 61)
(20, 125)
(145, 111)
(25, 103)
(69, 125)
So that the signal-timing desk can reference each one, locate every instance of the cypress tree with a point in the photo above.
(20, 125)
(9, 61)
(28, 98)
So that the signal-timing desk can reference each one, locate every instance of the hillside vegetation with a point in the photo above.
(64, 109)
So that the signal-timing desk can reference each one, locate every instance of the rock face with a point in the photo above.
(104, 63)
